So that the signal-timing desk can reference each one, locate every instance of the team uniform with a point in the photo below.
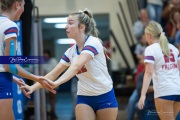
(166, 78)
(8, 29)
(95, 86)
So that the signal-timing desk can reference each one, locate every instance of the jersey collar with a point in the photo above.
(77, 45)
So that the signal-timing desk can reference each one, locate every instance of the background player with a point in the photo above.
(162, 63)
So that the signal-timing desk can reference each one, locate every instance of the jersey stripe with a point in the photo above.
(91, 48)
(149, 58)
(65, 58)
(11, 30)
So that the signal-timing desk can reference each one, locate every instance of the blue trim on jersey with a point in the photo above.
(6, 89)
(90, 48)
(12, 67)
(77, 45)
(106, 100)
(11, 30)
(87, 38)
(65, 58)
(77, 50)
(149, 58)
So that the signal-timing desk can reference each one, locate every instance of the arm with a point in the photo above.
(147, 78)
(149, 67)
(10, 50)
(74, 68)
(51, 75)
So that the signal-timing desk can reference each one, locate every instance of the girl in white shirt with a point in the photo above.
(162, 65)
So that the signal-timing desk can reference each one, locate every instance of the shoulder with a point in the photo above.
(10, 23)
(173, 47)
(152, 48)
(10, 26)
(93, 41)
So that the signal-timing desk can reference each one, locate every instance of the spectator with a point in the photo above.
(173, 4)
(173, 25)
(139, 26)
(154, 8)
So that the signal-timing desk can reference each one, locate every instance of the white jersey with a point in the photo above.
(166, 78)
(94, 78)
(8, 29)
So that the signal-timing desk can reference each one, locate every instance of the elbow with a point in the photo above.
(77, 68)
(149, 73)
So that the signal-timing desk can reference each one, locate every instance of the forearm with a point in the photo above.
(146, 83)
(19, 71)
(25, 74)
(51, 76)
(71, 72)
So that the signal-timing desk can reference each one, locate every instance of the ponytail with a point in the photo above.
(164, 44)
(156, 31)
(94, 31)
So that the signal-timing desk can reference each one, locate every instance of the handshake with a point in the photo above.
(41, 82)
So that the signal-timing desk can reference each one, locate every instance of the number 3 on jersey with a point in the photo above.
(170, 58)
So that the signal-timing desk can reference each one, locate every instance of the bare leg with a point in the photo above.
(107, 114)
(84, 112)
(6, 111)
(176, 108)
(165, 109)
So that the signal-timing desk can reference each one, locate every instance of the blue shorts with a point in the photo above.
(171, 97)
(6, 89)
(107, 100)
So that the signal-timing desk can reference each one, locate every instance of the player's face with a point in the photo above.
(72, 29)
(19, 10)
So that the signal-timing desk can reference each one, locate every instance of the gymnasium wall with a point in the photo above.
(63, 7)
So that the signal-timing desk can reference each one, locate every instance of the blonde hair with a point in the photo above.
(86, 17)
(156, 31)
(7, 4)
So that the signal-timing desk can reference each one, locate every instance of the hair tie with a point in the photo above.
(162, 33)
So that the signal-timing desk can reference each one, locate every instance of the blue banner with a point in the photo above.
(18, 97)
(22, 60)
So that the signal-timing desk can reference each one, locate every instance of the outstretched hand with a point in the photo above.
(22, 86)
(47, 84)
